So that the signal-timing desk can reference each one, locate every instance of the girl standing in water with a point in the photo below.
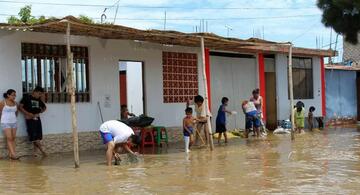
(8, 113)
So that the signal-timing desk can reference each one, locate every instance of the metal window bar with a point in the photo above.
(76, 75)
(59, 74)
(51, 74)
(36, 83)
(85, 76)
(32, 73)
(29, 73)
(82, 75)
(46, 69)
(26, 75)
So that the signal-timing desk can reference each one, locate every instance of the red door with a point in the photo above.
(122, 84)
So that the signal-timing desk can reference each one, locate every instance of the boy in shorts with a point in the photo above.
(32, 106)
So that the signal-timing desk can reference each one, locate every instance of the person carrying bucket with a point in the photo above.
(258, 102)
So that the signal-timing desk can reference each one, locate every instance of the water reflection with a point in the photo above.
(320, 162)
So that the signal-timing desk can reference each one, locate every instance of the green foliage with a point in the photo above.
(25, 17)
(14, 20)
(25, 14)
(343, 16)
(42, 19)
(86, 19)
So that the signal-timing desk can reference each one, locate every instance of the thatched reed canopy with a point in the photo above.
(212, 41)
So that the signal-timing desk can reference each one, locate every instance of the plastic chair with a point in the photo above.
(161, 135)
(145, 133)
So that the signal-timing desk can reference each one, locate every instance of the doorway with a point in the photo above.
(131, 84)
(270, 93)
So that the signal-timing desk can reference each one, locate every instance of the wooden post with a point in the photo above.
(71, 90)
(291, 91)
(206, 106)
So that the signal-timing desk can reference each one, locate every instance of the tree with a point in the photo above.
(343, 16)
(86, 19)
(25, 17)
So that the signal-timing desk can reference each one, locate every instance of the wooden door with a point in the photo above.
(271, 105)
(123, 90)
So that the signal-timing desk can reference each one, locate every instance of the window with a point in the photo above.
(180, 77)
(45, 66)
(303, 78)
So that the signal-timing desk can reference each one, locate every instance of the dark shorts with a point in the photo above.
(252, 121)
(220, 128)
(34, 129)
(186, 133)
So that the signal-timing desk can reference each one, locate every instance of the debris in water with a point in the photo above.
(217, 179)
(289, 156)
(136, 169)
(281, 130)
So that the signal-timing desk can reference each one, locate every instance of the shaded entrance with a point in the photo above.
(132, 86)
(270, 87)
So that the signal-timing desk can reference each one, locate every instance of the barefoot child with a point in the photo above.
(221, 119)
(311, 117)
(251, 118)
(188, 128)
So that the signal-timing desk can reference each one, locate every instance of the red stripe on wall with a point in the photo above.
(323, 96)
(208, 77)
(262, 82)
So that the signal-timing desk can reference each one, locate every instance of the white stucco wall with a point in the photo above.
(283, 102)
(104, 79)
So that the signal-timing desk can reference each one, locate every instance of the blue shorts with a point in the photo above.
(8, 126)
(252, 121)
(107, 137)
(186, 133)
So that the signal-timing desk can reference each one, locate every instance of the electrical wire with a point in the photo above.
(156, 7)
(191, 19)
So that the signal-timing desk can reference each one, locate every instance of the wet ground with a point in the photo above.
(325, 162)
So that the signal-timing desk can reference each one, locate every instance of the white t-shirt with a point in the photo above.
(200, 111)
(249, 107)
(120, 131)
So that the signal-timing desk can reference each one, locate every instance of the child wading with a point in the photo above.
(188, 128)
(221, 119)
(311, 118)
(299, 115)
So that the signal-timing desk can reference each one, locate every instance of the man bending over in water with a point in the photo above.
(116, 134)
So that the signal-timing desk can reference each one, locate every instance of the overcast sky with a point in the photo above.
(298, 21)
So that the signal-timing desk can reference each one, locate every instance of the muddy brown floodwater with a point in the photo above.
(325, 162)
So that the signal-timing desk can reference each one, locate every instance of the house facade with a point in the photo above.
(171, 75)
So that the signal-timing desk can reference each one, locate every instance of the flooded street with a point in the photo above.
(325, 162)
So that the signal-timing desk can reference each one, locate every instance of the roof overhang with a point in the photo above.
(212, 41)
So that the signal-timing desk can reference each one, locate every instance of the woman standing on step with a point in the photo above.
(8, 113)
